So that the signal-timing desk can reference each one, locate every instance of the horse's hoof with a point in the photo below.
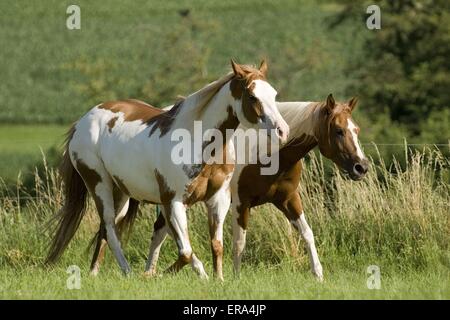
(93, 273)
(150, 274)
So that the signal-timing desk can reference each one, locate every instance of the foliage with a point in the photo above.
(405, 69)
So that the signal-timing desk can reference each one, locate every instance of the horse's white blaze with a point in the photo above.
(266, 95)
(352, 128)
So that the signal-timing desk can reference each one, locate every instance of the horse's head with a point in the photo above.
(338, 137)
(254, 100)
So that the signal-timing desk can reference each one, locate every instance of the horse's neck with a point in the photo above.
(302, 119)
(212, 115)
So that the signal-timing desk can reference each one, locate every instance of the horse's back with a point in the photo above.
(131, 109)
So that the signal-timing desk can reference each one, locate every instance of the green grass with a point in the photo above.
(21, 147)
(399, 222)
(255, 283)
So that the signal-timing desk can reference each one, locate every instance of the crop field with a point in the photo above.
(396, 219)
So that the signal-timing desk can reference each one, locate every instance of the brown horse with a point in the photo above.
(328, 125)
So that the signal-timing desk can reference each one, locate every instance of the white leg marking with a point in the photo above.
(218, 207)
(197, 266)
(308, 236)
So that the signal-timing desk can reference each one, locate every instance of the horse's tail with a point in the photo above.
(68, 219)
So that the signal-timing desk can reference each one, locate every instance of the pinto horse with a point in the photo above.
(328, 125)
(121, 150)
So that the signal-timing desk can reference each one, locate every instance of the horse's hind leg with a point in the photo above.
(121, 202)
(99, 251)
(100, 186)
(293, 210)
(160, 231)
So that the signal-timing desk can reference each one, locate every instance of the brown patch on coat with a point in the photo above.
(166, 195)
(164, 121)
(217, 253)
(111, 123)
(242, 89)
(91, 178)
(159, 223)
(244, 212)
(137, 110)
(209, 178)
(132, 109)
(207, 183)
(180, 263)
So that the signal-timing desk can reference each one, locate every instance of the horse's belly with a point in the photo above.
(132, 171)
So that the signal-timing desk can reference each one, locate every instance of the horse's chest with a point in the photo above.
(211, 178)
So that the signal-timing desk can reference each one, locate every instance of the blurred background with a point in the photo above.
(155, 50)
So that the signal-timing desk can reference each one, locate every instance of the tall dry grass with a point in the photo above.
(396, 217)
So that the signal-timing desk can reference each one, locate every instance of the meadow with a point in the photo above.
(397, 218)
(399, 223)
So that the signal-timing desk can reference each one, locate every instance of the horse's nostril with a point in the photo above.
(279, 132)
(359, 169)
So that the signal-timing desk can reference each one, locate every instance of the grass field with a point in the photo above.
(399, 223)
(397, 218)
(256, 283)
(22, 146)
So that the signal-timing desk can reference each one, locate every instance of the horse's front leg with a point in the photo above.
(175, 217)
(293, 210)
(218, 206)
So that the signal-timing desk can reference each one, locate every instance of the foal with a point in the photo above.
(328, 125)
(122, 149)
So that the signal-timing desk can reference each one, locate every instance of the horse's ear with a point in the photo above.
(352, 103)
(263, 67)
(330, 103)
(237, 69)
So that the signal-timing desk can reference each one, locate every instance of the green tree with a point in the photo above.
(406, 70)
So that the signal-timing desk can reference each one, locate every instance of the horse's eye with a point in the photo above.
(340, 132)
(253, 98)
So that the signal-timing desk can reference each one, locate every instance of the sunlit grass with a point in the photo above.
(399, 222)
